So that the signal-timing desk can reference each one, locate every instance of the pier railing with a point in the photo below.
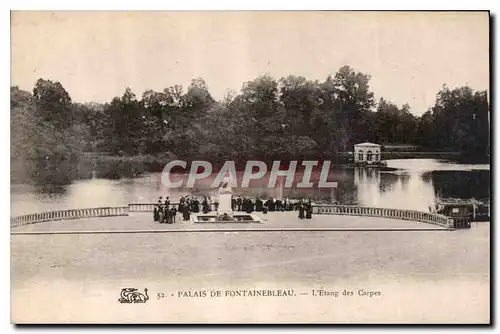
(68, 214)
(352, 210)
(142, 207)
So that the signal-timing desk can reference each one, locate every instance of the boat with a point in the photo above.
(462, 211)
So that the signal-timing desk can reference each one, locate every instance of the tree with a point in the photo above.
(304, 126)
(288, 119)
(125, 119)
(198, 98)
(393, 124)
(257, 106)
(53, 103)
(157, 103)
(45, 144)
(346, 105)
(352, 105)
(458, 121)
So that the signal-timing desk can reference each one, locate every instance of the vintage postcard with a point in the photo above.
(317, 167)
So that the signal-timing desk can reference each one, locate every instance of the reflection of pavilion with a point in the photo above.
(367, 181)
(392, 190)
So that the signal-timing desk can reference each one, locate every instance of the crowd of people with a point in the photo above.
(166, 212)
(248, 205)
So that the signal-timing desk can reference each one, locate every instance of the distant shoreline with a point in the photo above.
(102, 165)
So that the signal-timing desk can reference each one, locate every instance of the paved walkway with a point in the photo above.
(273, 221)
(424, 276)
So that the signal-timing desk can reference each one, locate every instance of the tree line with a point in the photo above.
(291, 118)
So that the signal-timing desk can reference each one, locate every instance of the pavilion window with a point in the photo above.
(369, 156)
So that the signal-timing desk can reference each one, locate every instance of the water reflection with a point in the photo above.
(461, 184)
(415, 185)
(393, 190)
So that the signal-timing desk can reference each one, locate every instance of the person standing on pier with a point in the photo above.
(161, 218)
(172, 213)
(181, 205)
(309, 209)
(301, 209)
(156, 211)
(186, 212)
(258, 204)
(196, 205)
(168, 217)
(239, 203)
(168, 213)
(248, 205)
(278, 205)
(267, 204)
(271, 205)
(205, 206)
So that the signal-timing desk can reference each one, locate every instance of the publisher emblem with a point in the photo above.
(132, 295)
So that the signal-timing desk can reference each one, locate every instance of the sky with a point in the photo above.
(96, 55)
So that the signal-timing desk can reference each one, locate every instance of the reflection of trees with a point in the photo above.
(462, 184)
(263, 191)
(347, 190)
(405, 178)
(51, 189)
(347, 194)
(427, 177)
(387, 181)
(117, 168)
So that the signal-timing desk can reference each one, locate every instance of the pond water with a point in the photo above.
(414, 185)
